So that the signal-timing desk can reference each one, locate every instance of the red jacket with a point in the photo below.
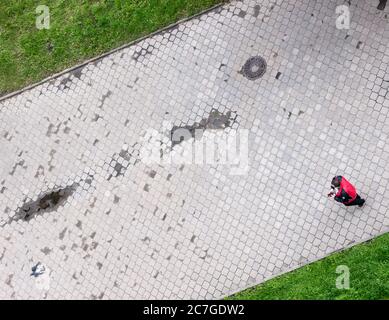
(347, 192)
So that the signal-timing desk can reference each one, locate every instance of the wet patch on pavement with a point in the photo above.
(47, 202)
(215, 120)
(382, 4)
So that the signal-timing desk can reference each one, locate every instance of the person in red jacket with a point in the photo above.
(345, 192)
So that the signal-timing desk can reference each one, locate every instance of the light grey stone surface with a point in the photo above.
(127, 229)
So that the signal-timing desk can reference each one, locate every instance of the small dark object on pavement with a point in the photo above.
(37, 270)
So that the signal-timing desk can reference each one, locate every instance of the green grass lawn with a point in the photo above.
(369, 277)
(79, 29)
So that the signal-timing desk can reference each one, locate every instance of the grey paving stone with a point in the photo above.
(130, 229)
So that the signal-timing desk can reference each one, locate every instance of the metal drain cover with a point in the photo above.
(254, 68)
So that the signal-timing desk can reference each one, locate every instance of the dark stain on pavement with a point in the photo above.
(142, 52)
(382, 4)
(256, 10)
(47, 202)
(77, 72)
(122, 160)
(215, 120)
(103, 98)
(242, 13)
(17, 164)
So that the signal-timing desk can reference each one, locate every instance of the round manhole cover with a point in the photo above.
(254, 68)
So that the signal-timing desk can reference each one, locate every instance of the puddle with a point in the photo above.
(382, 4)
(215, 120)
(47, 202)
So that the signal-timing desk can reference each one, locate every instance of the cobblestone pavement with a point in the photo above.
(76, 195)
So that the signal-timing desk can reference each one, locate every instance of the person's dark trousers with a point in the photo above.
(357, 202)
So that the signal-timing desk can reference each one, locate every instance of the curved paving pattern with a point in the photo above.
(76, 196)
